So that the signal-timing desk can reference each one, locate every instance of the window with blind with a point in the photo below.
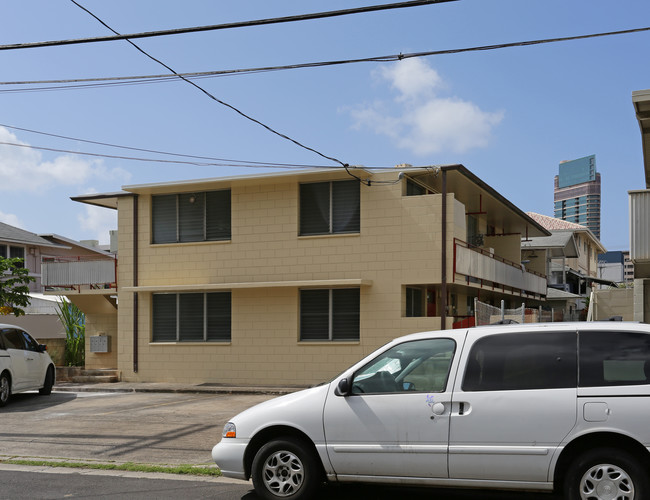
(190, 217)
(330, 208)
(192, 317)
(330, 314)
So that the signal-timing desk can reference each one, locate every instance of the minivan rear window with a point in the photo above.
(522, 361)
(614, 358)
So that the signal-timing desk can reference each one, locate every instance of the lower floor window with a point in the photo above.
(329, 314)
(192, 317)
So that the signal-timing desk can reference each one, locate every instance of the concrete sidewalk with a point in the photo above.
(172, 388)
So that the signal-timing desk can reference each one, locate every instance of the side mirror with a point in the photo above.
(343, 387)
(42, 347)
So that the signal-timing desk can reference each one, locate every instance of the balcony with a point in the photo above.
(82, 274)
(480, 267)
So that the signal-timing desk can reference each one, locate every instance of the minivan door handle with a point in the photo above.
(463, 408)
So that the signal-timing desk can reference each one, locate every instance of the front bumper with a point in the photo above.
(228, 454)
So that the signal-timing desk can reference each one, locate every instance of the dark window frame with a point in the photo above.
(324, 318)
(191, 217)
(175, 317)
(329, 207)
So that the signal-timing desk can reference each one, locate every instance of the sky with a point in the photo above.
(509, 115)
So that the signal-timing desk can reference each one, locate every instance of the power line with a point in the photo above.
(215, 27)
(158, 160)
(181, 155)
(211, 96)
(146, 79)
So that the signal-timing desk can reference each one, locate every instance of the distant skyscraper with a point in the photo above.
(577, 193)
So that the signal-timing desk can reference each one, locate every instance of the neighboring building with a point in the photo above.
(629, 267)
(615, 266)
(574, 267)
(577, 193)
(287, 278)
(639, 215)
(40, 317)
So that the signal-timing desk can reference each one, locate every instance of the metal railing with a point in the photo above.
(492, 270)
(79, 272)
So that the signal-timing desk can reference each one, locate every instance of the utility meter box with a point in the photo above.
(100, 343)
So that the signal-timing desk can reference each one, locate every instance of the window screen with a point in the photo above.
(331, 314)
(330, 208)
(188, 217)
(192, 317)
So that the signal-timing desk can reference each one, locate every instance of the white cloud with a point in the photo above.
(26, 170)
(426, 123)
(98, 222)
(10, 219)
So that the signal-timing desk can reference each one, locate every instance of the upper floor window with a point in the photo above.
(13, 252)
(330, 207)
(187, 217)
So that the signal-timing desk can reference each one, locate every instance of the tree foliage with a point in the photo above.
(14, 286)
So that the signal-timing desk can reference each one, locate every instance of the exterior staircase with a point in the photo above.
(79, 375)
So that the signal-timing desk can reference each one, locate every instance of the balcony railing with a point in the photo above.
(493, 271)
(77, 273)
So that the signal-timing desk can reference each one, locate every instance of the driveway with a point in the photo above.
(155, 428)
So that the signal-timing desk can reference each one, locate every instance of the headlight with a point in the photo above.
(229, 431)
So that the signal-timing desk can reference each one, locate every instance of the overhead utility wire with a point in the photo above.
(299, 144)
(76, 139)
(145, 79)
(215, 27)
(158, 160)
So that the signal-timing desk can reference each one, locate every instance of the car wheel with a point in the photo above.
(5, 389)
(285, 468)
(46, 390)
(607, 473)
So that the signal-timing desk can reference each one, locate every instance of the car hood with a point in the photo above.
(302, 410)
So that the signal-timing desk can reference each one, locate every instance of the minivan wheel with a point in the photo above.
(606, 474)
(5, 389)
(46, 390)
(285, 468)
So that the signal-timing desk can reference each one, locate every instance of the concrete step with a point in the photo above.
(82, 376)
(95, 379)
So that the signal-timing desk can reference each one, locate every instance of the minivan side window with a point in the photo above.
(614, 358)
(522, 361)
(420, 365)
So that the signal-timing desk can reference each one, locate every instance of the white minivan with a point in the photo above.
(25, 364)
(561, 407)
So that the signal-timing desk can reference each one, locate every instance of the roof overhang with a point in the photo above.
(641, 101)
(105, 200)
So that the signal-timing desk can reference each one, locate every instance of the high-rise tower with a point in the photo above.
(577, 193)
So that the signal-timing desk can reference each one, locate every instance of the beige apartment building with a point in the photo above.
(287, 278)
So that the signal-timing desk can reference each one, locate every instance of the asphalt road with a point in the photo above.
(154, 428)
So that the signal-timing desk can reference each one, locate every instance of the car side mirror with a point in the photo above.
(343, 387)
(42, 347)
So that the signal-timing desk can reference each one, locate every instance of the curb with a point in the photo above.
(125, 387)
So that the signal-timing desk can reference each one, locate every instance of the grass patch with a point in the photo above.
(191, 470)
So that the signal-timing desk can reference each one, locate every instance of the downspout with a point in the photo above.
(443, 259)
(135, 283)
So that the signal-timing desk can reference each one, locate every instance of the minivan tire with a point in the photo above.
(5, 389)
(615, 472)
(285, 469)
